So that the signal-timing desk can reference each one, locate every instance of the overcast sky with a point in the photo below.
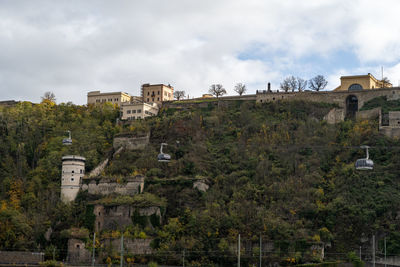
(72, 47)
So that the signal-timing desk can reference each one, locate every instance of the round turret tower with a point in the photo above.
(73, 169)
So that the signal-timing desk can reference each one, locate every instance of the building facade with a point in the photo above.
(95, 97)
(138, 110)
(73, 169)
(361, 82)
(157, 93)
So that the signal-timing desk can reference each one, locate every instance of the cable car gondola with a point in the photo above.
(366, 163)
(67, 141)
(162, 157)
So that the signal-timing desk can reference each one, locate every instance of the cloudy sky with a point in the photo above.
(71, 47)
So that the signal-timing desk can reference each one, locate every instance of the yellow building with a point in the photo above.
(157, 93)
(95, 97)
(361, 82)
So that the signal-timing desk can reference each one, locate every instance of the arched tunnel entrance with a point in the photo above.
(351, 106)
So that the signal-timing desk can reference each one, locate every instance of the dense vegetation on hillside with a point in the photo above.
(277, 170)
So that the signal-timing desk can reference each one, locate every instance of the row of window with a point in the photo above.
(148, 100)
(158, 93)
(153, 93)
(134, 111)
(105, 100)
(139, 117)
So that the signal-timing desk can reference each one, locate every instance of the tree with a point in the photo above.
(301, 84)
(217, 90)
(385, 82)
(285, 86)
(289, 83)
(240, 88)
(317, 83)
(50, 96)
(179, 94)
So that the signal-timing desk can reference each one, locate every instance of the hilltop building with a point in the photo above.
(138, 110)
(73, 169)
(95, 97)
(361, 82)
(157, 93)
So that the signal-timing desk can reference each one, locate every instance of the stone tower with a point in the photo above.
(73, 169)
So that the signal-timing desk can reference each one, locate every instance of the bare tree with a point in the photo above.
(179, 94)
(50, 96)
(217, 90)
(285, 86)
(385, 82)
(301, 84)
(317, 83)
(240, 88)
(289, 84)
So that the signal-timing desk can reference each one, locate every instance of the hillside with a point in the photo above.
(277, 170)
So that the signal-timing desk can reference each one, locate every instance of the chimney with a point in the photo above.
(269, 87)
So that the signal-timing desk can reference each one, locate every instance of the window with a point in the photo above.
(158, 93)
(128, 112)
(81, 171)
(169, 94)
(72, 179)
(165, 93)
(153, 100)
(134, 111)
(97, 100)
(148, 99)
(148, 93)
(158, 99)
(133, 117)
(139, 111)
(73, 171)
(77, 245)
(355, 87)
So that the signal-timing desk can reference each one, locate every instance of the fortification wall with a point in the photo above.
(21, 257)
(77, 252)
(131, 245)
(369, 114)
(335, 115)
(334, 97)
(119, 216)
(131, 142)
(105, 186)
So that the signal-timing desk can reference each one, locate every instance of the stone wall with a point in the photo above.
(77, 252)
(333, 97)
(390, 132)
(335, 115)
(394, 119)
(106, 186)
(131, 142)
(20, 257)
(118, 217)
(135, 246)
(393, 129)
(369, 114)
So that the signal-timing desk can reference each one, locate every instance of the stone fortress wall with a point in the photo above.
(333, 97)
(108, 185)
